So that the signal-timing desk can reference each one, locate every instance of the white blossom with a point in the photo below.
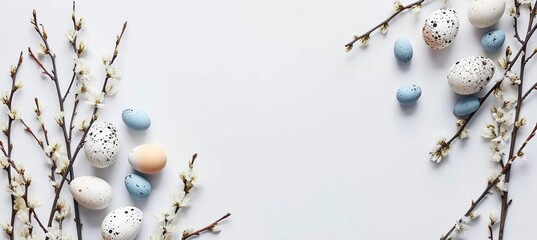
(397, 6)
(59, 118)
(4, 163)
(6, 227)
(107, 59)
(521, 122)
(110, 89)
(474, 215)
(501, 185)
(512, 11)
(493, 218)
(180, 200)
(5, 97)
(82, 46)
(33, 203)
(111, 72)
(465, 133)
(18, 85)
(95, 99)
(82, 69)
(523, 2)
(71, 35)
(14, 113)
(503, 62)
(513, 77)
(23, 216)
(384, 28)
(19, 204)
(460, 227)
(439, 151)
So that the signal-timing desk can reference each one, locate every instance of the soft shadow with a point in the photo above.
(440, 57)
(408, 109)
(105, 173)
(136, 135)
(404, 66)
(93, 218)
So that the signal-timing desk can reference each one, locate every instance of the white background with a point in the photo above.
(296, 138)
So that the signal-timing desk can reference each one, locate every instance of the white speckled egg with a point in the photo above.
(485, 13)
(470, 74)
(91, 192)
(441, 28)
(148, 158)
(102, 144)
(122, 224)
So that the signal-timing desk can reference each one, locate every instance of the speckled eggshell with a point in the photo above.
(148, 158)
(91, 192)
(493, 40)
(441, 28)
(137, 186)
(408, 94)
(122, 224)
(102, 144)
(471, 74)
(485, 13)
(402, 50)
(136, 119)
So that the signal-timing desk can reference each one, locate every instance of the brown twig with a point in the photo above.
(366, 35)
(14, 72)
(493, 182)
(53, 75)
(491, 233)
(187, 235)
(505, 196)
(85, 132)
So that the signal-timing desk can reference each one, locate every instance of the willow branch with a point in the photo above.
(365, 36)
(210, 227)
(493, 182)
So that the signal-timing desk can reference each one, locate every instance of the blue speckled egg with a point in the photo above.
(493, 40)
(137, 186)
(466, 105)
(403, 50)
(136, 119)
(408, 94)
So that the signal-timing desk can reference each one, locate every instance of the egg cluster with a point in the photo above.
(468, 75)
(102, 147)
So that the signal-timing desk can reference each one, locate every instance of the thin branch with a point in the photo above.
(366, 35)
(210, 227)
(505, 196)
(493, 182)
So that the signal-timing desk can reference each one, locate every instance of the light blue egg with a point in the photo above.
(493, 40)
(408, 94)
(137, 186)
(466, 105)
(136, 119)
(403, 50)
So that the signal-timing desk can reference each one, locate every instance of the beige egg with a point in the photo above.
(148, 158)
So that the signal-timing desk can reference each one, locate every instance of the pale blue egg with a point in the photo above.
(493, 40)
(136, 119)
(403, 50)
(466, 105)
(137, 186)
(408, 94)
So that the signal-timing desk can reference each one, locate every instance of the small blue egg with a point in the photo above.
(136, 119)
(493, 40)
(137, 186)
(408, 94)
(403, 50)
(466, 105)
